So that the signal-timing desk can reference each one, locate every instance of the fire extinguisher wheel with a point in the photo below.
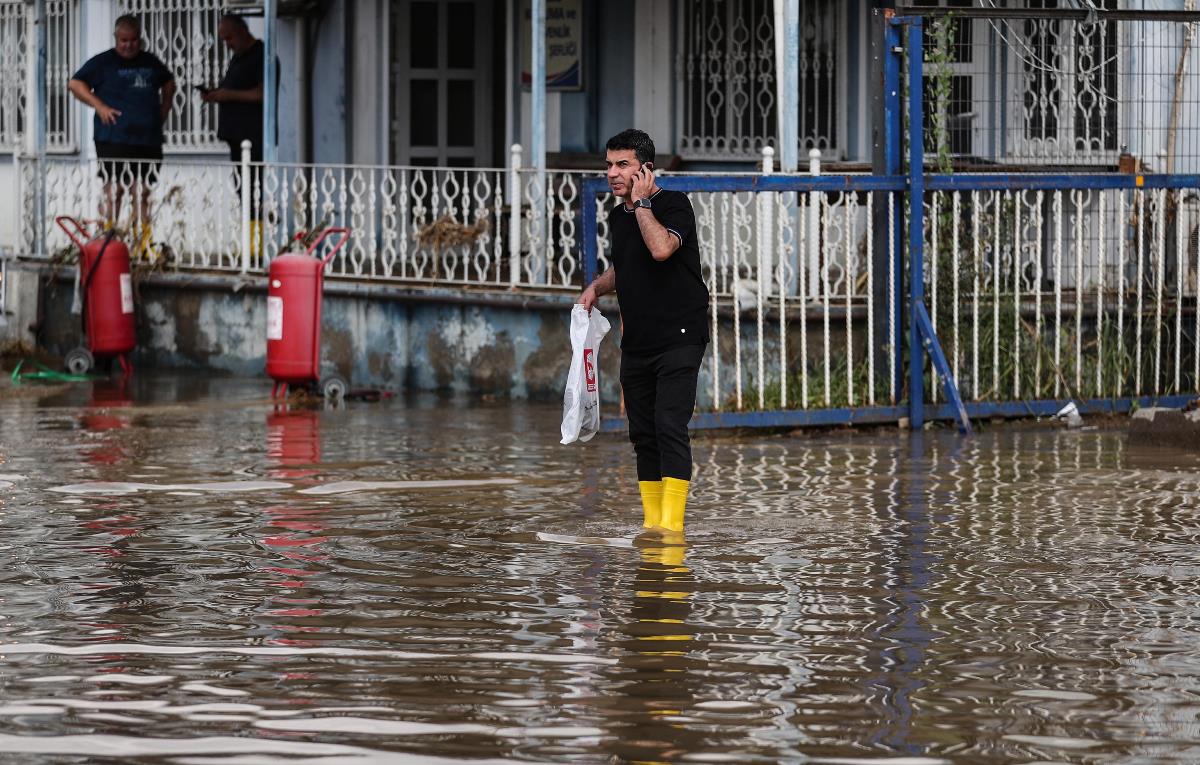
(334, 387)
(79, 361)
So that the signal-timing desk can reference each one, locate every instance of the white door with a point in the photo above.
(441, 76)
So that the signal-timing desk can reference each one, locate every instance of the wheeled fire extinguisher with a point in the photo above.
(294, 286)
(106, 287)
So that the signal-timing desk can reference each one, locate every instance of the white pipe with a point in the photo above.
(813, 242)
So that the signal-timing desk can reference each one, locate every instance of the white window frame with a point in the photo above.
(62, 59)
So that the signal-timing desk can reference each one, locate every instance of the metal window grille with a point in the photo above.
(1068, 74)
(62, 58)
(12, 60)
(727, 66)
(183, 33)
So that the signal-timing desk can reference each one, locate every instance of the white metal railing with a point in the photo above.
(798, 319)
(769, 258)
(425, 225)
(1068, 293)
(183, 33)
(62, 58)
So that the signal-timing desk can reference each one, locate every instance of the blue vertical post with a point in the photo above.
(591, 188)
(916, 219)
(892, 149)
(270, 84)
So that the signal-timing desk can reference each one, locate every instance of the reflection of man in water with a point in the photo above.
(658, 672)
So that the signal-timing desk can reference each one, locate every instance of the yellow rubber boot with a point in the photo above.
(256, 238)
(652, 494)
(674, 502)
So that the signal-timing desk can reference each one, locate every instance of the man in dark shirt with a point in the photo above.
(239, 97)
(131, 92)
(664, 318)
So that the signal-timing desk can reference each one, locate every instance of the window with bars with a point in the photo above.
(62, 58)
(727, 62)
(1068, 73)
(183, 33)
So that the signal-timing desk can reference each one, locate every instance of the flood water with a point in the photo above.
(188, 575)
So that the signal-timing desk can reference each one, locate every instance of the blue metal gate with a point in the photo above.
(978, 252)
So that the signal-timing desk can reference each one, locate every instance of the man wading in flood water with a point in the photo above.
(664, 321)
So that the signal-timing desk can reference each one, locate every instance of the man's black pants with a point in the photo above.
(660, 394)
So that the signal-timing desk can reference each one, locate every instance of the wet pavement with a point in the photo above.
(189, 575)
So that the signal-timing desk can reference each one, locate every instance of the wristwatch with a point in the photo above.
(642, 203)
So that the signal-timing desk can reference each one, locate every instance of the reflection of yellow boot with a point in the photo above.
(674, 502)
(652, 494)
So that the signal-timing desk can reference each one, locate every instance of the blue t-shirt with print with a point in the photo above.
(131, 87)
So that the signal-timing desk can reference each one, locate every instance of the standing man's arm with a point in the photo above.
(82, 91)
(601, 285)
(661, 242)
(227, 95)
(168, 99)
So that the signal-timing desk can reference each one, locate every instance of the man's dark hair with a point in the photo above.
(634, 139)
(239, 22)
(130, 22)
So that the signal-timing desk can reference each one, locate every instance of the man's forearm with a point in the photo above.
(248, 96)
(605, 283)
(168, 98)
(661, 243)
(81, 91)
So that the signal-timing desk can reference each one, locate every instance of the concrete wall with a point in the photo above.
(400, 343)
(504, 346)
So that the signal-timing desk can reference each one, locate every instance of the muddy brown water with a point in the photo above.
(192, 576)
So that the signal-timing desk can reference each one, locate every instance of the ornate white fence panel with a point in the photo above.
(1064, 293)
(422, 225)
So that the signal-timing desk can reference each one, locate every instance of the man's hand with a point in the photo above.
(217, 96)
(107, 114)
(643, 183)
(588, 298)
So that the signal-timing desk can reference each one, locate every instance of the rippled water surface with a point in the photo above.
(188, 575)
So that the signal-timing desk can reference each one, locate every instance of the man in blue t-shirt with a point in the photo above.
(131, 91)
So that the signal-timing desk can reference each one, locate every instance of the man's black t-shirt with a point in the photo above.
(664, 304)
(131, 86)
(238, 120)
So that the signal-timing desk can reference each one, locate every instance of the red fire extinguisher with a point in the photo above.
(106, 286)
(294, 289)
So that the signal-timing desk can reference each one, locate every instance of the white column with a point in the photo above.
(765, 203)
(653, 86)
(514, 215)
(247, 191)
(787, 62)
(813, 228)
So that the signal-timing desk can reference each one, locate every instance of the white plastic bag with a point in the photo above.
(581, 399)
